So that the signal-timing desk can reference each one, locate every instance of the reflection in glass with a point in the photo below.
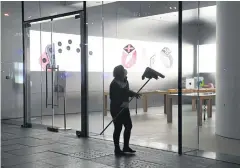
(18, 72)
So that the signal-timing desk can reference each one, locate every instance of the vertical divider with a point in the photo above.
(84, 72)
(180, 78)
(103, 64)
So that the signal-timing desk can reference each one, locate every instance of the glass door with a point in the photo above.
(67, 80)
(53, 77)
(191, 121)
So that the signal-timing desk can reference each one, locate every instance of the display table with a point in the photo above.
(194, 100)
(145, 95)
(163, 93)
(202, 96)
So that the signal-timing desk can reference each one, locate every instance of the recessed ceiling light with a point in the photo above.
(175, 7)
(170, 7)
(29, 17)
(6, 14)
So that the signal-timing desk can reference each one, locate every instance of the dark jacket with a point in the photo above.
(118, 95)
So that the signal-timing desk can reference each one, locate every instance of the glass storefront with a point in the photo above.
(57, 70)
(11, 63)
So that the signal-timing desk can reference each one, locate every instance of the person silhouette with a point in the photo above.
(119, 99)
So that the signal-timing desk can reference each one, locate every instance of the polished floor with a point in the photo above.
(38, 148)
(151, 129)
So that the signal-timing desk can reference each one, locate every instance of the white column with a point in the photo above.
(228, 69)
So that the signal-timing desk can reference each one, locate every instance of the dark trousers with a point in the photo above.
(124, 119)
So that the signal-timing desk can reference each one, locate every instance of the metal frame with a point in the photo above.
(26, 107)
(84, 74)
(24, 71)
(84, 66)
(180, 77)
(51, 17)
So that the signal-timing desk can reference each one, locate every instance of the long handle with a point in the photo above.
(52, 95)
(52, 88)
(46, 86)
(123, 108)
(64, 111)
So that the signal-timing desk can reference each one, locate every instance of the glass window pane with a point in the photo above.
(11, 62)
(38, 9)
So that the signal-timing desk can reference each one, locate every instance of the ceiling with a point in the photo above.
(155, 10)
(79, 4)
(161, 10)
(191, 16)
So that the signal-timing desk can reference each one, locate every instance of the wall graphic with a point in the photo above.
(132, 54)
(166, 57)
(129, 56)
(152, 61)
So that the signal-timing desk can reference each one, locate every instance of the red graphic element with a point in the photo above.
(129, 56)
(44, 61)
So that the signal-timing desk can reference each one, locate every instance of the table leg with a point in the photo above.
(209, 108)
(165, 104)
(193, 104)
(169, 110)
(199, 116)
(145, 103)
(105, 105)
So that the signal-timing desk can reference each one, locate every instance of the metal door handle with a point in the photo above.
(52, 88)
(46, 86)
(58, 85)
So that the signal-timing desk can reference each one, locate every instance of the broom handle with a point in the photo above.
(123, 108)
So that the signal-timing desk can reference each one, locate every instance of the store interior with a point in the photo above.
(134, 34)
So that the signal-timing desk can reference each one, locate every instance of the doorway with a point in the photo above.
(52, 52)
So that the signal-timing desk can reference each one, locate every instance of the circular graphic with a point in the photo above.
(78, 50)
(44, 60)
(60, 50)
(68, 48)
(129, 56)
(90, 53)
(69, 41)
(59, 43)
(166, 57)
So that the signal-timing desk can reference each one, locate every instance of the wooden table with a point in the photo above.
(194, 100)
(145, 95)
(202, 96)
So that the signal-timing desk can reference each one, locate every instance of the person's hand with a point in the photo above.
(137, 95)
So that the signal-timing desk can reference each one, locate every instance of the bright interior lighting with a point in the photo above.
(207, 58)
(70, 60)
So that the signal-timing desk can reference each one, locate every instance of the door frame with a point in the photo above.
(84, 68)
